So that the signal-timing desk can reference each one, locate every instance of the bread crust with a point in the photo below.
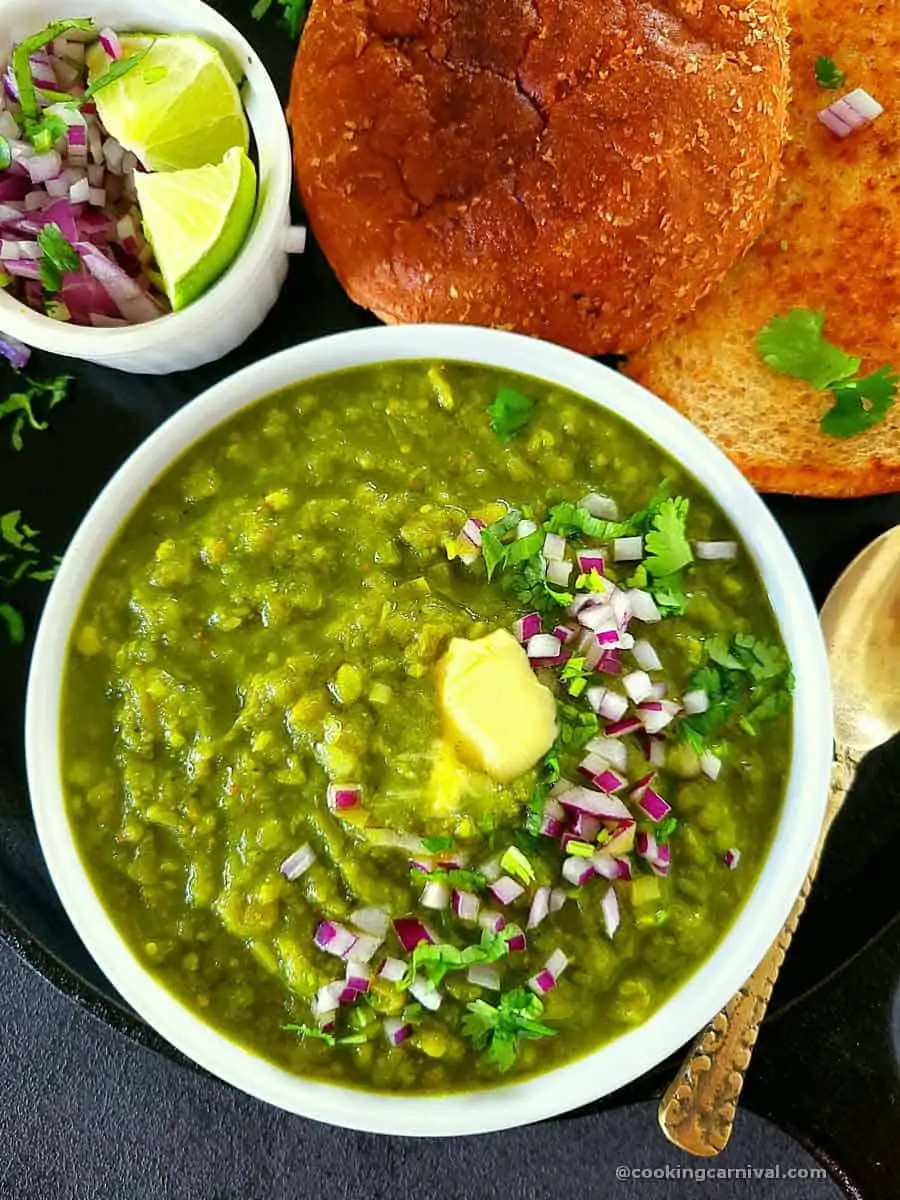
(832, 244)
(580, 170)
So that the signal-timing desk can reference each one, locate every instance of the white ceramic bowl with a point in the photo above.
(239, 302)
(680, 1017)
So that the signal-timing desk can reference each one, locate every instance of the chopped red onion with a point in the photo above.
(610, 705)
(343, 796)
(392, 970)
(628, 549)
(484, 975)
(491, 870)
(657, 752)
(598, 618)
(527, 627)
(505, 889)
(426, 993)
(364, 948)
(731, 858)
(654, 716)
(525, 529)
(558, 573)
(590, 560)
(356, 977)
(326, 1001)
(334, 939)
(554, 818)
(44, 166)
(660, 688)
(585, 828)
(577, 870)
(609, 662)
(466, 906)
(638, 685)
(600, 506)
(542, 983)
(710, 765)
(558, 898)
(653, 805)
(595, 804)
(435, 895)
(396, 1030)
(621, 728)
(643, 606)
(554, 549)
(374, 921)
(543, 645)
(608, 866)
(540, 907)
(563, 633)
(612, 750)
(492, 921)
(298, 863)
(645, 656)
(591, 765)
(610, 908)
(696, 701)
(850, 112)
(411, 931)
(715, 550)
(472, 531)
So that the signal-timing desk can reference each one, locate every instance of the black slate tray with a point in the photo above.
(58, 474)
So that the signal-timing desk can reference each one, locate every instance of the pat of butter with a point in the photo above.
(499, 716)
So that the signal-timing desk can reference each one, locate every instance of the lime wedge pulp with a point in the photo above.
(178, 108)
(197, 221)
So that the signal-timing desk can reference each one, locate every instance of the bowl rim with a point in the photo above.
(724, 971)
(274, 182)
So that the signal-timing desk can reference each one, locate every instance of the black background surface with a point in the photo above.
(826, 1063)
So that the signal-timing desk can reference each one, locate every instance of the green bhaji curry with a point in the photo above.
(425, 726)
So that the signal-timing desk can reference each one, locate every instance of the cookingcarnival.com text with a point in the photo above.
(701, 1174)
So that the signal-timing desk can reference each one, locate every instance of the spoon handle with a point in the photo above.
(698, 1108)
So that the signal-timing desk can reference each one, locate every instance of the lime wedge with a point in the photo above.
(177, 108)
(197, 222)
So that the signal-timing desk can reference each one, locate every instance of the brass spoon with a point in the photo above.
(861, 623)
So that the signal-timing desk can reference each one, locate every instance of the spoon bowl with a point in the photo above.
(861, 623)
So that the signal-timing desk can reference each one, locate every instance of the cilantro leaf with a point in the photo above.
(45, 132)
(551, 772)
(568, 519)
(664, 830)
(5, 153)
(307, 1031)
(510, 412)
(860, 403)
(15, 626)
(434, 845)
(293, 13)
(116, 69)
(576, 726)
(749, 679)
(793, 345)
(21, 59)
(828, 74)
(438, 960)
(670, 596)
(666, 544)
(575, 676)
(59, 257)
(457, 877)
(497, 1029)
(21, 405)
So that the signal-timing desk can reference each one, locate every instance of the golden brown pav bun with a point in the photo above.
(580, 170)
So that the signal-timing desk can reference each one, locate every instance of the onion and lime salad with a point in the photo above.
(105, 226)
(598, 829)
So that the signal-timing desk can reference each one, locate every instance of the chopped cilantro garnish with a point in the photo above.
(21, 405)
(570, 519)
(21, 64)
(793, 345)
(575, 676)
(497, 1029)
(45, 132)
(516, 863)
(576, 726)
(828, 74)
(434, 845)
(5, 153)
(293, 13)
(307, 1031)
(59, 257)
(20, 561)
(664, 830)
(860, 403)
(549, 774)
(668, 553)
(439, 960)
(749, 679)
(116, 69)
(510, 412)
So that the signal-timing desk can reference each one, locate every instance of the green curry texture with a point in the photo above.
(269, 619)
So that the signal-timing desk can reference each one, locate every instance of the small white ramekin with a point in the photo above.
(239, 302)
(695, 1002)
